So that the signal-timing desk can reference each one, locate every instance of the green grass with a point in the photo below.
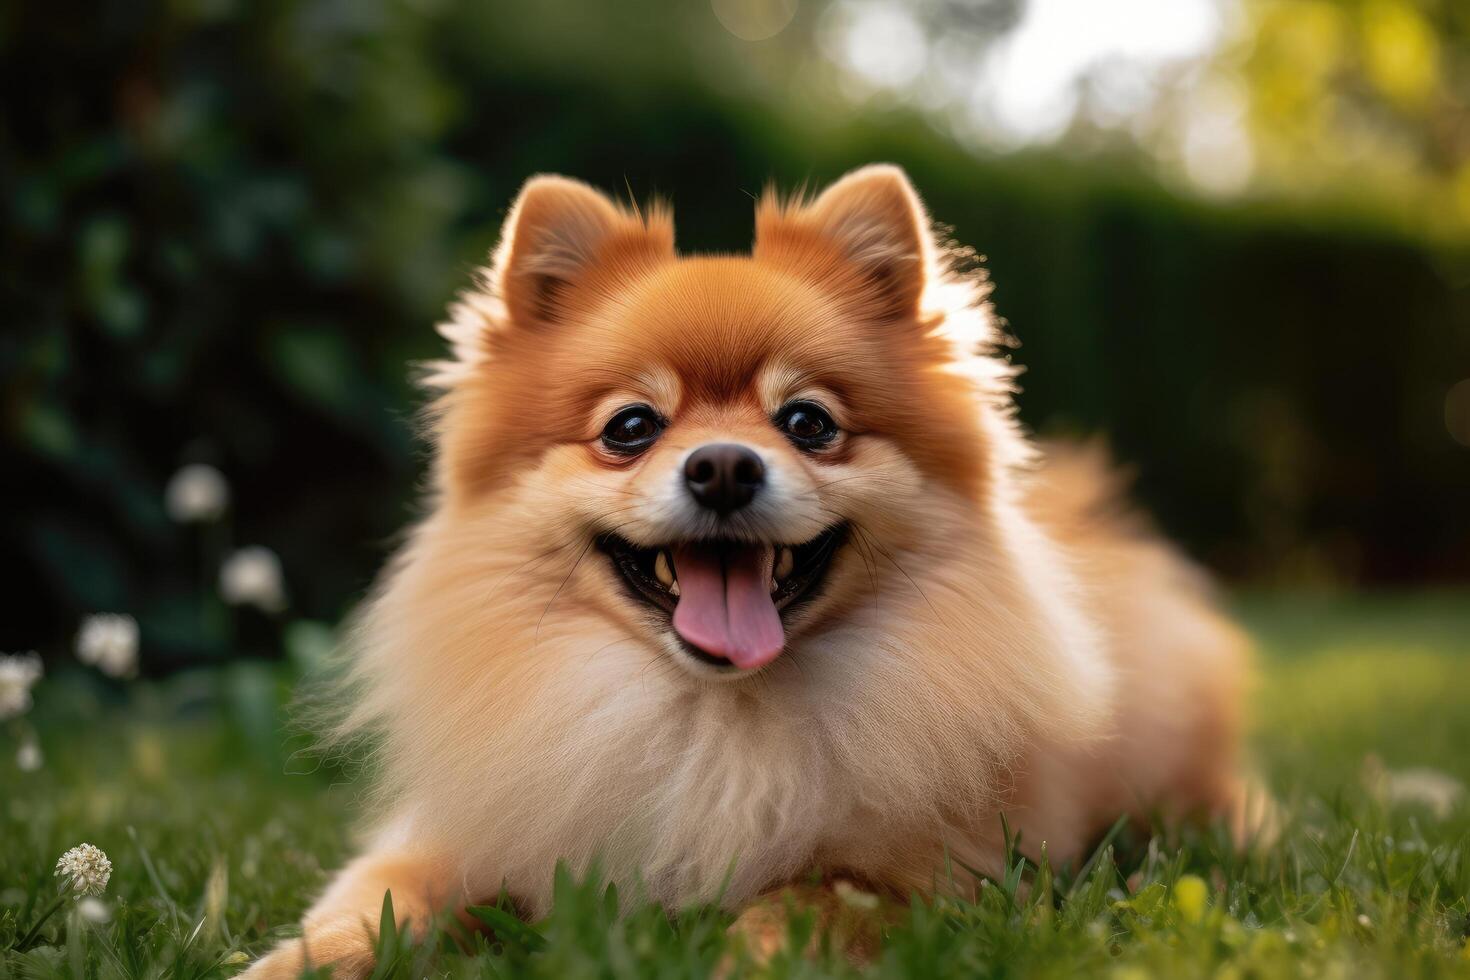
(208, 819)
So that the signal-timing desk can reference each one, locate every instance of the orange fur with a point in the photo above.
(989, 640)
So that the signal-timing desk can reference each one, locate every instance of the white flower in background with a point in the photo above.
(86, 869)
(197, 493)
(1438, 791)
(28, 757)
(109, 642)
(252, 576)
(18, 674)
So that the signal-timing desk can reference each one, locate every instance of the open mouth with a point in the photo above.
(725, 599)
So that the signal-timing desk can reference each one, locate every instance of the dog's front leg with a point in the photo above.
(341, 929)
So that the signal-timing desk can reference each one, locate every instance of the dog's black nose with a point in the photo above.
(724, 477)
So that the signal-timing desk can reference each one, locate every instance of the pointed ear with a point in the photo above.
(874, 223)
(561, 234)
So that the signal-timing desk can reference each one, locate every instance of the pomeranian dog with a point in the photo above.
(738, 572)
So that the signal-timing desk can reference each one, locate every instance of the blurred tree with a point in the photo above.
(1372, 95)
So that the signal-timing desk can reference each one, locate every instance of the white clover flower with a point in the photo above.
(18, 674)
(28, 757)
(1438, 791)
(95, 910)
(197, 494)
(86, 869)
(252, 576)
(109, 642)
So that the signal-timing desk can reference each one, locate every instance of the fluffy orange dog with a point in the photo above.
(739, 571)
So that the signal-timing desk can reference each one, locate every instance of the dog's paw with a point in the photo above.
(845, 919)
(348, 952)
(761, 930)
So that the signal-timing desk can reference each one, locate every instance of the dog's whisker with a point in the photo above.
(904, 572)
(864, 551)
(536, 636)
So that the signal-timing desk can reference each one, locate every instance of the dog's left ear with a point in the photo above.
(871, 222)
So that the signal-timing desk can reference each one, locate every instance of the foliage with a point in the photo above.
(1368, 91)
(215, 852)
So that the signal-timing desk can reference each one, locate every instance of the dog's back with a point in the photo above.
(1181, 665)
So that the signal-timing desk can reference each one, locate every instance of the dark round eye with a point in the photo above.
(632, 430)
(807, 424)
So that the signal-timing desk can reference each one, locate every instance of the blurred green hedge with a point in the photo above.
(227, 228)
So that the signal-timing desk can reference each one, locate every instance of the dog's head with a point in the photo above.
(737, 449)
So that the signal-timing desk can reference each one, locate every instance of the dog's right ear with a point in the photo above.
(562, 235)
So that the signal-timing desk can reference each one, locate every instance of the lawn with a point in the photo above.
(220, 829)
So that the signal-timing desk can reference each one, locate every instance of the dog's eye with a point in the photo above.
(807, 424)
(632, 430)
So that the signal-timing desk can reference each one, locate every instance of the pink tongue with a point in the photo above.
(725, 605)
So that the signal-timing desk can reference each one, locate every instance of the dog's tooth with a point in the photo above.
(674, 589)
(662, 570)
(785, 562)
(774, 585)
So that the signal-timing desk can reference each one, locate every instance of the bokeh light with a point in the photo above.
(754, 20)
(1028, 86)
(880, 42)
